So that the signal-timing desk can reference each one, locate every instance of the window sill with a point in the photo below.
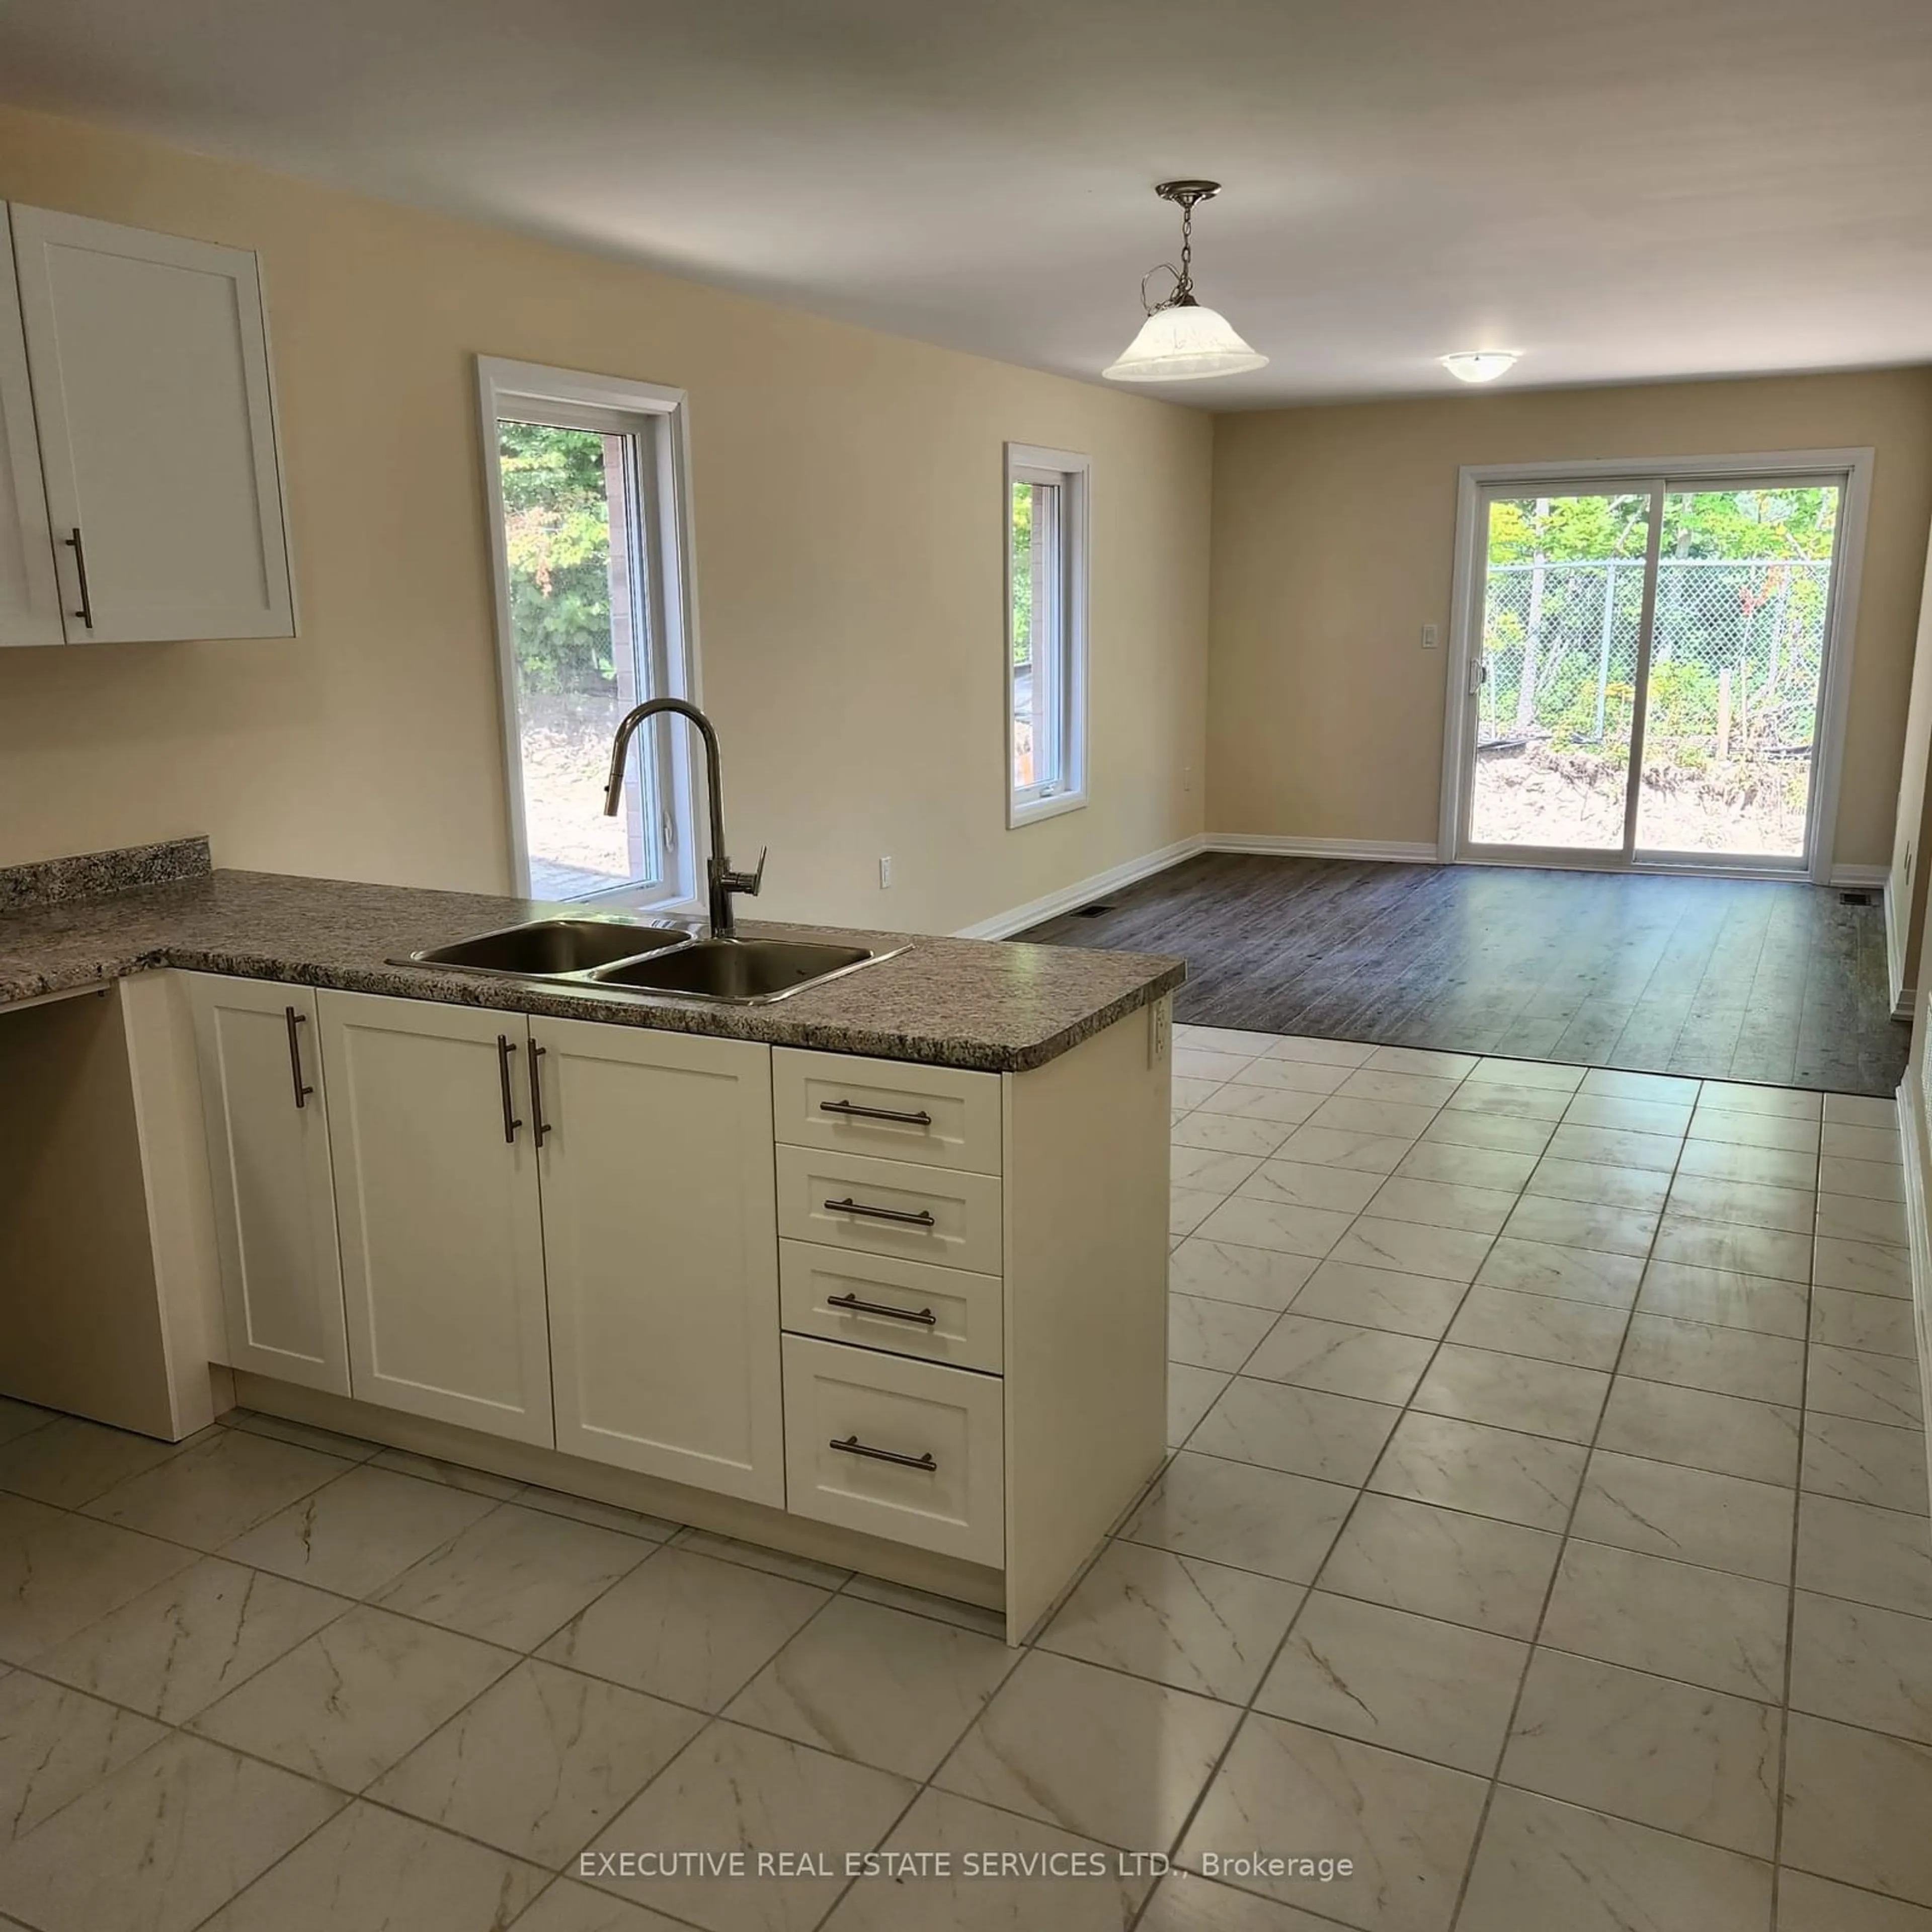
(1019, 813)
(644, 901)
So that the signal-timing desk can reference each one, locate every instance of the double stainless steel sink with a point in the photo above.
(664, 961)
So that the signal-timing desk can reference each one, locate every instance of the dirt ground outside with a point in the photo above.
(1535, 795)
(566, 754)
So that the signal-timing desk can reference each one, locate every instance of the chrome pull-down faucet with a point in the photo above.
(721, 881)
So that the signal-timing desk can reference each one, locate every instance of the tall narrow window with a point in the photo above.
(1046, 613)
(588, 532)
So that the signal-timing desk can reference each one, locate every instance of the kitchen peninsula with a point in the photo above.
(875, 1272)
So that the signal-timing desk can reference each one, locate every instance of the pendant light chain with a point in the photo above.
(1184, 292)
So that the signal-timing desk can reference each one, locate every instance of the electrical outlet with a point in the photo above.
(1160, 1032)
(1430, 637)
(885, 874)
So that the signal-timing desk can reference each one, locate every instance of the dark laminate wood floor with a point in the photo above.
(1724, 979)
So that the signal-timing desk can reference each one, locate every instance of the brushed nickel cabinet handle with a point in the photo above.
(539, 1127)
(853, 1446)
(86, 612)
(922, 1218)
(302, 1090)
(511, 1123)
(853, 1110)
(853, 1305)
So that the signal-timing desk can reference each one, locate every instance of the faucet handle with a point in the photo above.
(748, 883)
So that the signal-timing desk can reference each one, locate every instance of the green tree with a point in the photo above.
(557, 532)
(1021, 541)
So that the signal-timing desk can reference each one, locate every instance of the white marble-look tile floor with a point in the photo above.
(1545, 1532)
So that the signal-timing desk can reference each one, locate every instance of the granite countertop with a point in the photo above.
(993, 1007)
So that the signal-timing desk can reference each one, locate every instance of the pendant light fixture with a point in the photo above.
(1180, 341)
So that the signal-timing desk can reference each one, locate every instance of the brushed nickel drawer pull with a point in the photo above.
(538, 1123)
(303, 1089)
(853, 1110)
(922, 1218)
(854, 1446)
(86, 612)
(851, 1303)
(511, 1123)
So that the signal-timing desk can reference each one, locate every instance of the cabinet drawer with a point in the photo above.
(946, 1494)
(890, 1108)
(917, 1213)
(817, 1286)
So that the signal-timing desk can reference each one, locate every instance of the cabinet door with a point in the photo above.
(29, 599)
(149, 365)
(660, 1229)
(274, 1203)
(435, 1176)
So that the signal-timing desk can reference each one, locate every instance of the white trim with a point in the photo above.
(1854, 465)
(669, 559)
(1074, 473)
(1860, 878)
(1394, 851)
(1002, 924)
(1903, 997)
(1919, 1234)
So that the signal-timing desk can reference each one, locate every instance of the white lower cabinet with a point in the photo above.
(661, 1241)
(596, 1237)
(436, 1182)
(266, 1113)
(900, 1449)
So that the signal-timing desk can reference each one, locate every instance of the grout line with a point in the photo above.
(1314, 1583)
(1548, 1592)
(1790, 1635)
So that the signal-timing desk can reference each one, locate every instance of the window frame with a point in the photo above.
(658, 419)
(1073, 473)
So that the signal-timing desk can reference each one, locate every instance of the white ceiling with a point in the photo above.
(1656, 188)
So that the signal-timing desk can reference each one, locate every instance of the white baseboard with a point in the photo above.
(1860, 878)
(1396, 851)
(1002, 925)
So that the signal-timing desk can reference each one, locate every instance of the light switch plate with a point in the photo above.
(1430, 637)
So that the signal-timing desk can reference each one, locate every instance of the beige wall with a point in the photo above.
(848, 529)
(1334, 544)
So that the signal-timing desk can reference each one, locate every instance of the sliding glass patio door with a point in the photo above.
(1646, 670)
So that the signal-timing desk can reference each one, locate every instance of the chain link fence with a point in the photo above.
(1736, 666)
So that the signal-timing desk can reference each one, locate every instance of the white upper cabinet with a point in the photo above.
(148, 361)
(29, 598)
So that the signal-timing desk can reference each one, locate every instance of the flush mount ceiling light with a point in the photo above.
(1481, 365)
(1180, 341)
